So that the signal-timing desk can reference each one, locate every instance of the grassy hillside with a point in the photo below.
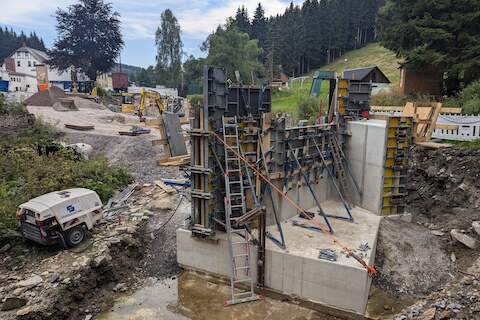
(372, 54)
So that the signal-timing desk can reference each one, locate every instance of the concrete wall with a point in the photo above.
(301, 194)
(331, 284)
(203, 255)
(365, 152)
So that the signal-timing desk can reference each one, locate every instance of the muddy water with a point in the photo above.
(197, 298)
(384, 306)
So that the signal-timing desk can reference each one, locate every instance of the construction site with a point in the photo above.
(237, 213)
(312, 160)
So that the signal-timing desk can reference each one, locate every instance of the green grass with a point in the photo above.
(372, 54)
(471, 145)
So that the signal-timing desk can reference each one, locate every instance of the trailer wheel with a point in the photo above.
(75, 236)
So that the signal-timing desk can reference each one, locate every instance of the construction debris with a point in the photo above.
(134, 131)
(328, 254)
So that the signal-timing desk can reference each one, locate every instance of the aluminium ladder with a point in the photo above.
(235, 207)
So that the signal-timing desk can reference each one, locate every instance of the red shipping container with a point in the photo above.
(119, 81)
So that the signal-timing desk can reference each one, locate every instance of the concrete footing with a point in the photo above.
(343, 284)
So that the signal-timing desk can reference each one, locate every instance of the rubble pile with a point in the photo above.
(458, 300)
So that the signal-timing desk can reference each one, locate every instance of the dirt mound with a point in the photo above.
(410, 260)
(46, 98)
(444, 186)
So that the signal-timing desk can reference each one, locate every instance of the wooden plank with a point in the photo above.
(435, 112)
(433, 145)
(79, 127)
(167, 189)
(442, 126)
(159, 142)
(153, 122)
(451, 110)
(387, 108)
(175, 163)
(401, 109)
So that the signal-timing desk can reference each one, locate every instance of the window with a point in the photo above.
(29, 63)
(18, 63)
(18, 54)
(28, 86)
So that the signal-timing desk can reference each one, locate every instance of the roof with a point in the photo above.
(363, 73)
(21, 74)
(41, 56)
(53, 198)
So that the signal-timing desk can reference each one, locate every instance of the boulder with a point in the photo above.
(464, 239)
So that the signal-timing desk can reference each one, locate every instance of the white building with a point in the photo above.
(22, 71)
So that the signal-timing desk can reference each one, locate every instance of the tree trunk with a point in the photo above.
(73, 72)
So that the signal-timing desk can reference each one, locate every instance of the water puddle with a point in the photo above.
(382, 305)
(195, 297)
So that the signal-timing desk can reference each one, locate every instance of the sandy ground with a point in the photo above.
(106, 122)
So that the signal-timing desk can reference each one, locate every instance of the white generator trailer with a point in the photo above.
(63, 216)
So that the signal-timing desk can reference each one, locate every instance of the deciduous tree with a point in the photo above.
(89, 38)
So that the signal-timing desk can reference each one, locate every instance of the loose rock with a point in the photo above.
(476, 226)
(464, 239)
(30, 282)
(25, 311)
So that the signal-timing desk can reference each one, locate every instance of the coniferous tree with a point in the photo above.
(259, 29)
(10, 41)
(308, 36)
(242, 21)
(445, 36)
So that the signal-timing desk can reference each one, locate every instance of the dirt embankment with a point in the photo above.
(424, 258)
(53, 283)
(444, 186)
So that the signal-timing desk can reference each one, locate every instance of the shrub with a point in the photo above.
(469, 98)
(25, 174)
(11, 107)
(195, 99)
(308, 108)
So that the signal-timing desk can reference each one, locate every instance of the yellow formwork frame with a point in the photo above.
(399, 140)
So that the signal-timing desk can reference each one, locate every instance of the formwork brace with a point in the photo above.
(371, 270)
(314, 195)
(330, 174)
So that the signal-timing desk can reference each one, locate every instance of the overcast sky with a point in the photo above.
(139, 21)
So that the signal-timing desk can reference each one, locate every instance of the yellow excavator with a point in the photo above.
(129, 105)
(155, 96)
